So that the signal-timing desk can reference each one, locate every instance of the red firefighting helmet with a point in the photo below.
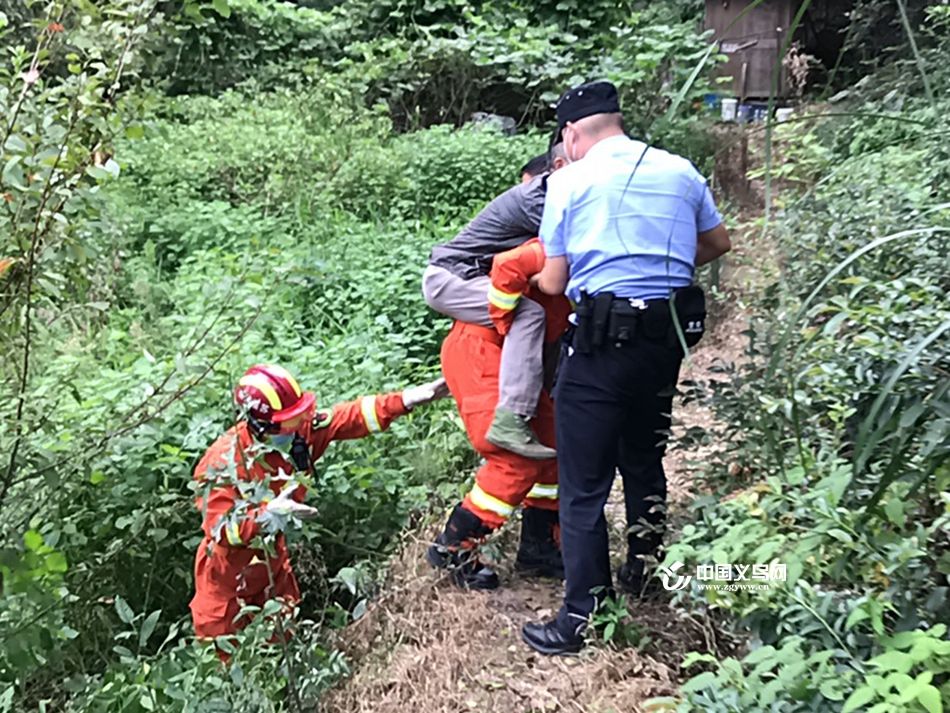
(270, 394)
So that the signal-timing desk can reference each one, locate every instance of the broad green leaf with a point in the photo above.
(930, 699)
(697, 683)
(33, 540)
(349, 577)
(13, 174)
(861, 696)
(98, 172)
(56, 562)
(856, 616)
(894, 509)
(271, 607)
(124, 610)
(222, 8)
(831, 689)
(15, 143)
(893, 661)
(148, 627)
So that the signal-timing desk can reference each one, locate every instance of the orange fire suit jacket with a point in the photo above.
(227, 567)
(510, 275)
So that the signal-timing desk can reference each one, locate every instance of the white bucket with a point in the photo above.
(784, 114)
(729, 107)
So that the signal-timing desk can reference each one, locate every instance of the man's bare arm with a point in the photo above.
(710, 244)
(553, 276)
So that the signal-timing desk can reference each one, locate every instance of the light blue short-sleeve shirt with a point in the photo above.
(625, 232)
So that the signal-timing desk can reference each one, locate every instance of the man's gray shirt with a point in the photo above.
(509, 220)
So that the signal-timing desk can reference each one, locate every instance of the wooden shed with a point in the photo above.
(753, 44)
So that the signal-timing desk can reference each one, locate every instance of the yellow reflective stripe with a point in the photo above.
(543, 491)
(260, 382)
(503, 300)
(368, 408)
(233, 532)
(282, 372)
(490, 503)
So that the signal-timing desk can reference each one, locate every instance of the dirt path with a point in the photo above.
(425, 647)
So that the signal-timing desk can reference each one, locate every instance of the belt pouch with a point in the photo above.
(623, 324)
(690, 305)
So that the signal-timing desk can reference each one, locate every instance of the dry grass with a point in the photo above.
(427, 647)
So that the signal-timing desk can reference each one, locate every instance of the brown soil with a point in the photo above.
(426, 647)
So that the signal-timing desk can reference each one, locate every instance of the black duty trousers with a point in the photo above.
(612, 410)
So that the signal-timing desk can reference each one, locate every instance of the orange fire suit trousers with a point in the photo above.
(471, 359)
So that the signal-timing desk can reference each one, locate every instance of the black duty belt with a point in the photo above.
(605, 319)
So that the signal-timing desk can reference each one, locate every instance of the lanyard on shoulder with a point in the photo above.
(633, 173)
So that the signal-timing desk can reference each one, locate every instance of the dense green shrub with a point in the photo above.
(439, 62)
(435, 172)
(843, 425)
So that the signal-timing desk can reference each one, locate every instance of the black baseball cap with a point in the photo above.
(585, 100)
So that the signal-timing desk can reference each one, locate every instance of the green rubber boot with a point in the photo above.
(513, 433)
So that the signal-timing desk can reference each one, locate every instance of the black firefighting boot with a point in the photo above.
(539, 554)
(454, 551)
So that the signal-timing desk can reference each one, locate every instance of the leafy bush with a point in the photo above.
(435, 172)
(439, 62)
(841, 420)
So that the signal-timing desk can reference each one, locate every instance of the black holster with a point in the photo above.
(593, 319)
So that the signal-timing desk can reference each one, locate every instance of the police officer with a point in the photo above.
(624, 226)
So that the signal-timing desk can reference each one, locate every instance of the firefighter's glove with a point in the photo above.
(284, 504)
(434, 390)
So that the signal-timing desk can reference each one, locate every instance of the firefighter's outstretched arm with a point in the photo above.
(372, 414)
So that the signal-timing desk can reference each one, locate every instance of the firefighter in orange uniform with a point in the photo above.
(272, 449)
(471, 357)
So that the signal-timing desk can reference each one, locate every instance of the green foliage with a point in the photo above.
(58, 96)
(767, 679)
(841, 416)
(439, 62)
(187, 677)
(267, 152)
(616, 624)
(217, 45)
(788, 679)
(435, 172)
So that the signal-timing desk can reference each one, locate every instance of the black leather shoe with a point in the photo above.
(547, 639)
